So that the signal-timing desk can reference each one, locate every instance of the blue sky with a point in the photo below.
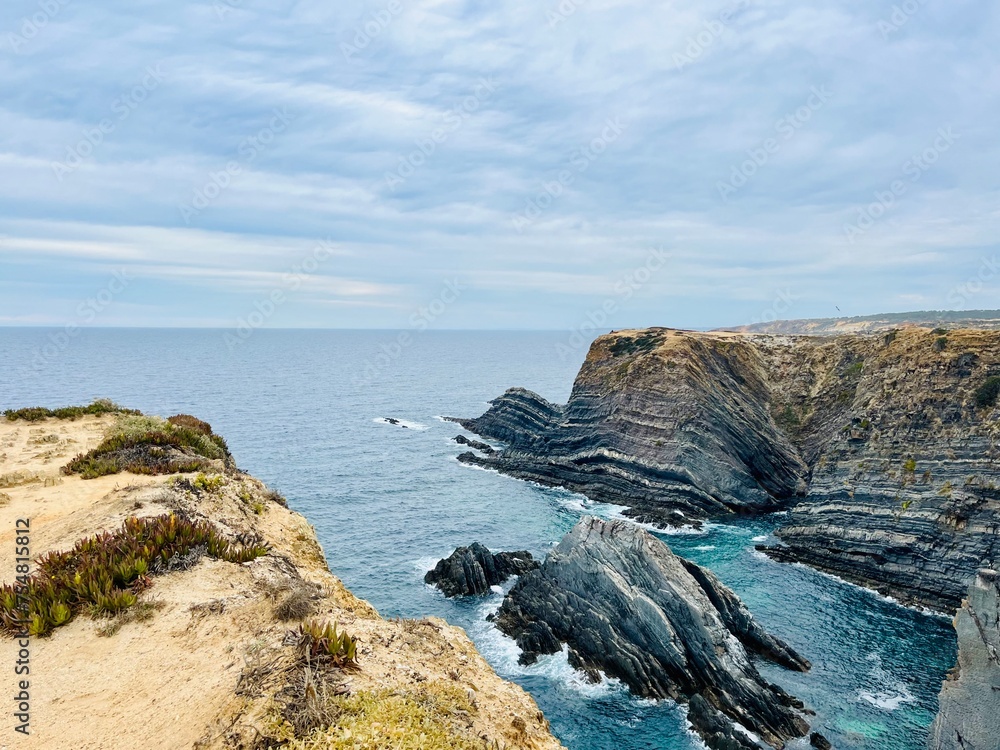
(525, 164)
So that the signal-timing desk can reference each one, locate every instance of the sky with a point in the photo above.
(464, 164)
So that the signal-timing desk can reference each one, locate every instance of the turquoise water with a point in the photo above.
(302, 410)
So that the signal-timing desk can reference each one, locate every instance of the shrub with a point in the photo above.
(428, 719)
(193, 423)
(150, 445)
(321, 640)
(910, 466)
(105, 573)
(941, 343)
(204, 483)
(297, 605)
(38, 413)
(988, 392)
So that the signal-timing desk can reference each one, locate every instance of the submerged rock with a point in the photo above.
(969, 715)
(627, 605)
(471, 571)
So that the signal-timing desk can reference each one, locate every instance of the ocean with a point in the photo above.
(304, 411)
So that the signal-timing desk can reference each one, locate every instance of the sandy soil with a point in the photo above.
(203, 672)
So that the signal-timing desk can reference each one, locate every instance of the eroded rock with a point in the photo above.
(969, 715)
(626, 605)
(472, 570)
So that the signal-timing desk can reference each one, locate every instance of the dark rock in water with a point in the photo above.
(881, 448)
(819, 741)
(626, 605)
(489, 450)
(969, 715)
(396, 422)
(740, 622)
(471, 571)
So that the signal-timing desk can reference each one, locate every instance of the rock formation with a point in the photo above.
(476, 445)
(626, 605)
(969, 716)
(471, 571)
(881, 447)
(226, 637)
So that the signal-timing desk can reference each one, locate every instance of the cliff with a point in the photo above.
(881, 448)
(969, 716)
(201, 650)
(627, 606)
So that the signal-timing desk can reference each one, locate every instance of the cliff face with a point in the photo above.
(626, 605)
(212, 654)
(876, 444)
(969, 717)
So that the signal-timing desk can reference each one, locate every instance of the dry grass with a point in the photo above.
(437, 717)
(140, 612)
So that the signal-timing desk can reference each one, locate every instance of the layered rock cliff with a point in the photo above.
(627, 606)
(473, 570)
(214, 653)
(881, 447)
(969, 716)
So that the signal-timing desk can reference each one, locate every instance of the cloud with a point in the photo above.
(394, 151)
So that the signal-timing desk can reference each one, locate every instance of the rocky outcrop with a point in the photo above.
(626, 605)
(476, 445)
(228, 639)
(880, 447)
(471, 571)
(969, 716)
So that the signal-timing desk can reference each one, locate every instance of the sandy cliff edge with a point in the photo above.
(210, 668)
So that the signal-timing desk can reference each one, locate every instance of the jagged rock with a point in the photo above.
(819, 741)
(969, 715)
(876, 445)
(626, 605)
(489, 450)
(471, 571)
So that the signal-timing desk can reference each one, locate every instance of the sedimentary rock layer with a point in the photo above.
(626, 605)
(969, 717)
(472, 570)
(879, 446)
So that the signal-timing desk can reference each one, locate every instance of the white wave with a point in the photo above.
(887, 701)
(705, 548)
(424, 564)
(402, 423)
(502, 652)
(759, 539)
(618, 514)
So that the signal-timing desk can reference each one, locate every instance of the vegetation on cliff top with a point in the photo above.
(988, 392)
(151, 445)
(104, 574)
(38, 413)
